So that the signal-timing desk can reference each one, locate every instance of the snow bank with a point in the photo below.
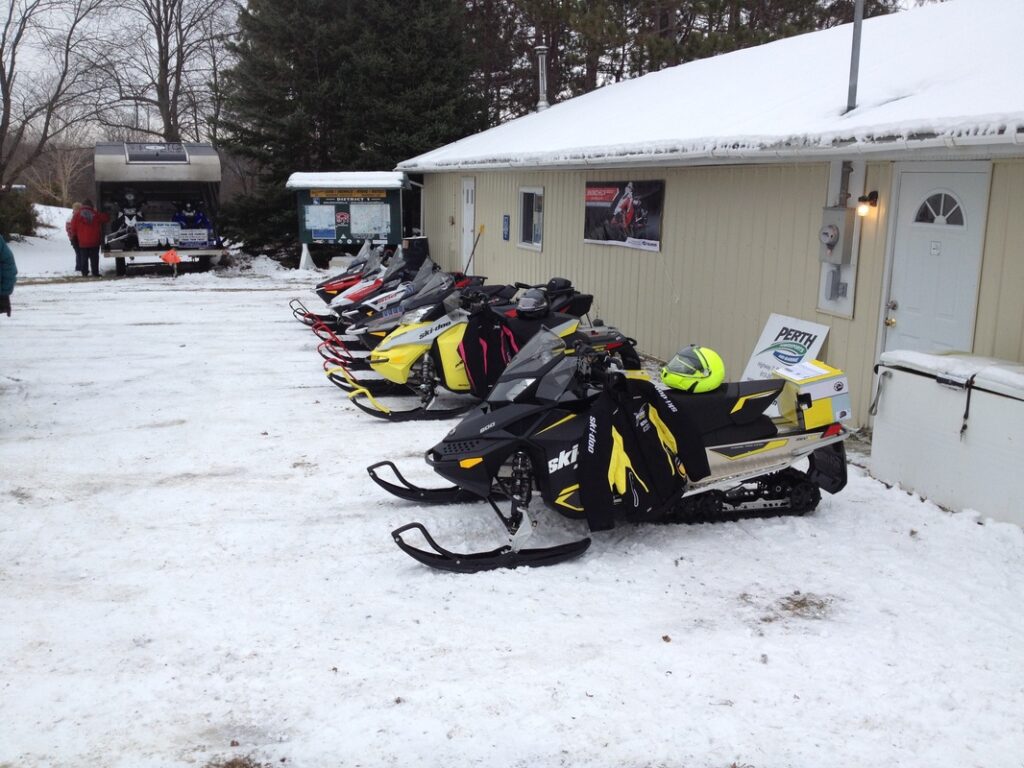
(191, 555)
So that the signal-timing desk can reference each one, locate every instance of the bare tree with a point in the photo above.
(158, 64)
(61, 168)
(43, 77)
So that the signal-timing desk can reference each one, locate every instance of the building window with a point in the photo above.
(940, 208)
(531, 217)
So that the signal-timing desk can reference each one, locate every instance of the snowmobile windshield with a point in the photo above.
(435, 282)
(423, 274)
(532, 362)
(452, 302)
(373, 262)
(397, 265)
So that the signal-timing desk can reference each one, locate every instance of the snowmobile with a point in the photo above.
(465, 351)
(129, 215)
(385, 284)
(367, 262)
(428, 299)
(424, 308)
(599, 443)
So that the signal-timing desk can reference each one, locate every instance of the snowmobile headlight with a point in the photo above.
(510, 391)
(416, 315)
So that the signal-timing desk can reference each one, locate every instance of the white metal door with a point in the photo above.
(936, 266)
(468, 218)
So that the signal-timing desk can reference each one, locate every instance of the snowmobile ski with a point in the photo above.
(423, 412)
(403, 489)
(502, 557)
(342, 379)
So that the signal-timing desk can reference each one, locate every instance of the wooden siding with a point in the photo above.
(738, 243)
(999, 331)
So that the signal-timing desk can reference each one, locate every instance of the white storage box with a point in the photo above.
(951, 428)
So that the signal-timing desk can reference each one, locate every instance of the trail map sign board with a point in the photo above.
(349, 206)
(350, 215)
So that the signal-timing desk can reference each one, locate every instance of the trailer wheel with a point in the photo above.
(120, 267)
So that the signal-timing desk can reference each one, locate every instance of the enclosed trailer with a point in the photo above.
(159, 196)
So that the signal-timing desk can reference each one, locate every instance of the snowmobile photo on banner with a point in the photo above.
(600, 443)
(466, 350)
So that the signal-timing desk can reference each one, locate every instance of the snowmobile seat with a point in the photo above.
(557, 286)
(525, 328)
(732, 413)
(577, 305)
(496, 291)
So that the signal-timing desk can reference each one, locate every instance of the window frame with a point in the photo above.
(520, 243)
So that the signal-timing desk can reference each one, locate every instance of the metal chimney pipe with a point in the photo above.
(542, 77)
(858, 18)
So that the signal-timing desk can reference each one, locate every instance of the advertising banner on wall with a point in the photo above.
(626, 213)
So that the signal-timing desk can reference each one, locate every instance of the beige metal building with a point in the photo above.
(936, 264)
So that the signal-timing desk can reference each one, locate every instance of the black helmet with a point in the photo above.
(532, 304)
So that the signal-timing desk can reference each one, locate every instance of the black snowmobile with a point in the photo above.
(599, 443)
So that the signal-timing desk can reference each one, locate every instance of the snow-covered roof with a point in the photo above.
(348, 180)
(944, 74)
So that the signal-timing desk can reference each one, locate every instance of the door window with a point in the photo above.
(940, 208)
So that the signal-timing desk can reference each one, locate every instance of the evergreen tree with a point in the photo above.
(410, 81)
(286, 106)
(330, 85)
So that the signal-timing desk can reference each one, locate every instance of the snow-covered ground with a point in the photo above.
(192, 556)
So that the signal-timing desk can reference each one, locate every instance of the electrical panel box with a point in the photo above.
(836, 235)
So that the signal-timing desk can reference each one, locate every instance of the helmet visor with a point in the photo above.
(688, 362)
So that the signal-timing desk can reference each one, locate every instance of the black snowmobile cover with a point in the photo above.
(639, 448)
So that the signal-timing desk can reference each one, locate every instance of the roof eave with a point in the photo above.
(1004, 142)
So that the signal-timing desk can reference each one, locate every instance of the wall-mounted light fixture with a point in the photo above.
(866, 202)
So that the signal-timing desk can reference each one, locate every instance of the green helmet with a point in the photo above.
(694, 369)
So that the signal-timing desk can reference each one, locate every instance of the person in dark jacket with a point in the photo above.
(71, 237)
(8, 277)
(87, 228)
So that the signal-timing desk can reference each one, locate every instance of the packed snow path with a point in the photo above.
(192, 556)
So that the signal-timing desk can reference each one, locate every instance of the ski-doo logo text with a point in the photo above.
(564, 459)
(592, 436)
(434, 329)
(668, 402)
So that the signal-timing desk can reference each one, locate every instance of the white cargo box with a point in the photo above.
(951, 428)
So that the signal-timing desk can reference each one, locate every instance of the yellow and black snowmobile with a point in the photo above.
(465, 351)
(599, 443)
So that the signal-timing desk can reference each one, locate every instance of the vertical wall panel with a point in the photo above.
(999, 331)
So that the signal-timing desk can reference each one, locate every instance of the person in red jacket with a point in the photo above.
(86, 228)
